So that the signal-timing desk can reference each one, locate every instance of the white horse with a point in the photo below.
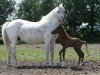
(33, 33)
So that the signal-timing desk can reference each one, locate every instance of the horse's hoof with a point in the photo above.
(47, 63)
(51, 63)
(63, 63)
(18, 64)
(80, 65)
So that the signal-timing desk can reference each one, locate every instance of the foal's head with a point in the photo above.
(59, 30)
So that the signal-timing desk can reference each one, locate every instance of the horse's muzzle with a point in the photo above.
(61, 20)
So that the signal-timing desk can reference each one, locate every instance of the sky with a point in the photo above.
(18, 1)
(10, 17)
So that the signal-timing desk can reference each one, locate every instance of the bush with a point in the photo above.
(1, 41)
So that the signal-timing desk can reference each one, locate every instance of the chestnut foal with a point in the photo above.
(67, 41)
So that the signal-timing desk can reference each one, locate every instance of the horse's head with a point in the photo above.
(61, 13)
(57, 13)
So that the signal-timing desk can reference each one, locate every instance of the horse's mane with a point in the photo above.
(52, 13)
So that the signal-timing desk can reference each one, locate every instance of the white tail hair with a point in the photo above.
(5, 36)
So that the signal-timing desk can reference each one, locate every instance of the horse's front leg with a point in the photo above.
(47, 39)
(47, 48)
(52, 44)
(52, 52)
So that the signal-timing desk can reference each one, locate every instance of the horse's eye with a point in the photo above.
(57, 11)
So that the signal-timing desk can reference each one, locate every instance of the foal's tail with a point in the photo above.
(84, 42)
(5, 36)
(87, 51)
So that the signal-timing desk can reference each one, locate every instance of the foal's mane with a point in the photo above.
(64, 31)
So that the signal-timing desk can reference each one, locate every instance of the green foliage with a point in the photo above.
(29, 10)
(82, 11)
(33, 10)
(6, 8)
(47, 6)
(87, 11)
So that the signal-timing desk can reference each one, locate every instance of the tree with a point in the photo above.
(47, 6)
(29, 10)
(93, 12)
(87, 11)
(6, 8)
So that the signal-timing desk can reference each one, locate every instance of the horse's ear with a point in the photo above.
(58, 4)
(61, 3)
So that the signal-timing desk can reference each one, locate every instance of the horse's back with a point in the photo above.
(28, 31)
(13, 27)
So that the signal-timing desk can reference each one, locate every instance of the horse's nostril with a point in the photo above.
(61, 18)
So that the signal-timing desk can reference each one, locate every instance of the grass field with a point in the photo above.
(32, 59)
(33, 53)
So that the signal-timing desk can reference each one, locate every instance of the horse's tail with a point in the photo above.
(5, 36)
(87, 51)
(84, 42)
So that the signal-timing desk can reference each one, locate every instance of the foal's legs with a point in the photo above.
(62, 55)
(81, 56)
(81, 59)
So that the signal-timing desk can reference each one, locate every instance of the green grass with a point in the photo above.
(38, 54)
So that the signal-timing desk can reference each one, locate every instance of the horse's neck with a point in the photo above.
(52, 19)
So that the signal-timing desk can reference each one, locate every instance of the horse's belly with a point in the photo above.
(32, 38)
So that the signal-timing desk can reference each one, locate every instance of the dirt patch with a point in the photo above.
(39, 68)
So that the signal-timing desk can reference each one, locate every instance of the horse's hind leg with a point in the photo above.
(13, 51)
